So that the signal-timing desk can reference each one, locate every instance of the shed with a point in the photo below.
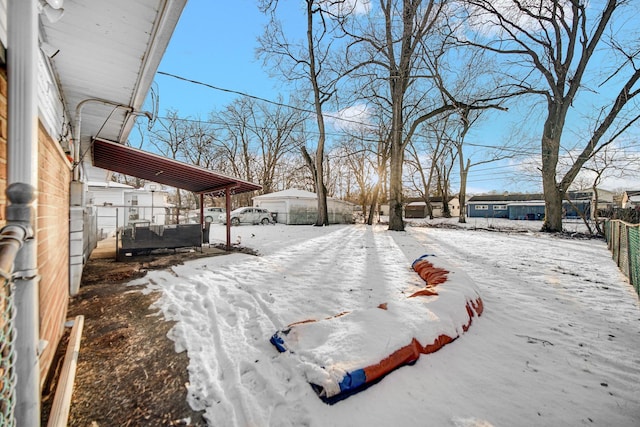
(415, 210)
(295, 206)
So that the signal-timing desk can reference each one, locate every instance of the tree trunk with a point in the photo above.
(374, 204)
(396, 222)
(552, 206)
(594, 209)
(446, 212)
(553, 194)
(462, 195)
(323, 216)
(427, 204)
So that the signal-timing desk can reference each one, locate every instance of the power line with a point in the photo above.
(258, 98)
(337, 134)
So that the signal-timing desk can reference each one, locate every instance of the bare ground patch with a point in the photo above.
(128, 373)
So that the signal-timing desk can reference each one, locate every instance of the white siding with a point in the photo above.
(3, 22)
(50, 108)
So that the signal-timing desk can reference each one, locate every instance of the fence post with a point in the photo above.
(629, 256)
(618, 235)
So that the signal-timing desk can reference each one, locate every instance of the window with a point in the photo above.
(482, 207)
(500, 207)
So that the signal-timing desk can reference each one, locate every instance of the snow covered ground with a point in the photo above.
(557, 344)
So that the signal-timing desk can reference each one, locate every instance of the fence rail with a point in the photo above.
(623, 240)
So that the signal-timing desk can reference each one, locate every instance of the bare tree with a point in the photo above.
(170, 137)
(490, 154)
(424, 159)
(273, 126)
(307, 62)
(236, 141)
(551, 50)
(397, 54)
(360, 161)
(392, 51)
(610, 162)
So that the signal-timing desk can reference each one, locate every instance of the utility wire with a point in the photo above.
(280, 104)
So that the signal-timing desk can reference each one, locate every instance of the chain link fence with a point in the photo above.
(623, 240)
(7, 350)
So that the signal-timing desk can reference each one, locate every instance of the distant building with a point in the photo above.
(116, 205)
(532, 206)
(523, 206)
(294, 206)
(417, 207)
(630, 199)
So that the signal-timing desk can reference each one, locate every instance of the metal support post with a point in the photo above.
(22, 181)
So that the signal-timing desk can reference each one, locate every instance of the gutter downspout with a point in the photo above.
(22, 183)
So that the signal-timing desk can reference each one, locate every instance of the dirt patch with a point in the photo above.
(128, 373)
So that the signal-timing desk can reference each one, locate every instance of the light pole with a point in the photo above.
(152, 187)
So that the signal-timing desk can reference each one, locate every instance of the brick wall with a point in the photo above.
(52, 229)
(54, 175)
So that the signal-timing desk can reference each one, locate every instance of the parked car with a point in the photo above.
(248, 215)
(213, 214)
(209, 215)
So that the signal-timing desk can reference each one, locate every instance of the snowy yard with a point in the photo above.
(557, 344)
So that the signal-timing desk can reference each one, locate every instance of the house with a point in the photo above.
(117, 204)
(417, 207)
(630, 199)
(523, 206)
(77, 71)
(294, 206)
(532, 206)
(585, 199)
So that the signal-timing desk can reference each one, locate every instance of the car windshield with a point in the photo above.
(237, 211)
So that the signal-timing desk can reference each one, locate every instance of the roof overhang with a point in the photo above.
(107, 55)
(152, 167)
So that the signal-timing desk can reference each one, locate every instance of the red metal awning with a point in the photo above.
(152, 167)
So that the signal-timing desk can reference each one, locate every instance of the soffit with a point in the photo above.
(108, 50)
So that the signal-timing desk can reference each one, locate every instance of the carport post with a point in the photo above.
(201, 209)
(227, 197)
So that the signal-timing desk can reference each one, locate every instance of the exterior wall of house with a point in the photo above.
(54, 175)
(526, 211)
(454, 207)
(52, 230)
(488, 210)
(579, 207)
(109, 204)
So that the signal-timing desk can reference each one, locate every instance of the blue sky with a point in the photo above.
(215, 43)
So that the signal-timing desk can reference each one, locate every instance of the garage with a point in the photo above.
(295, 206)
